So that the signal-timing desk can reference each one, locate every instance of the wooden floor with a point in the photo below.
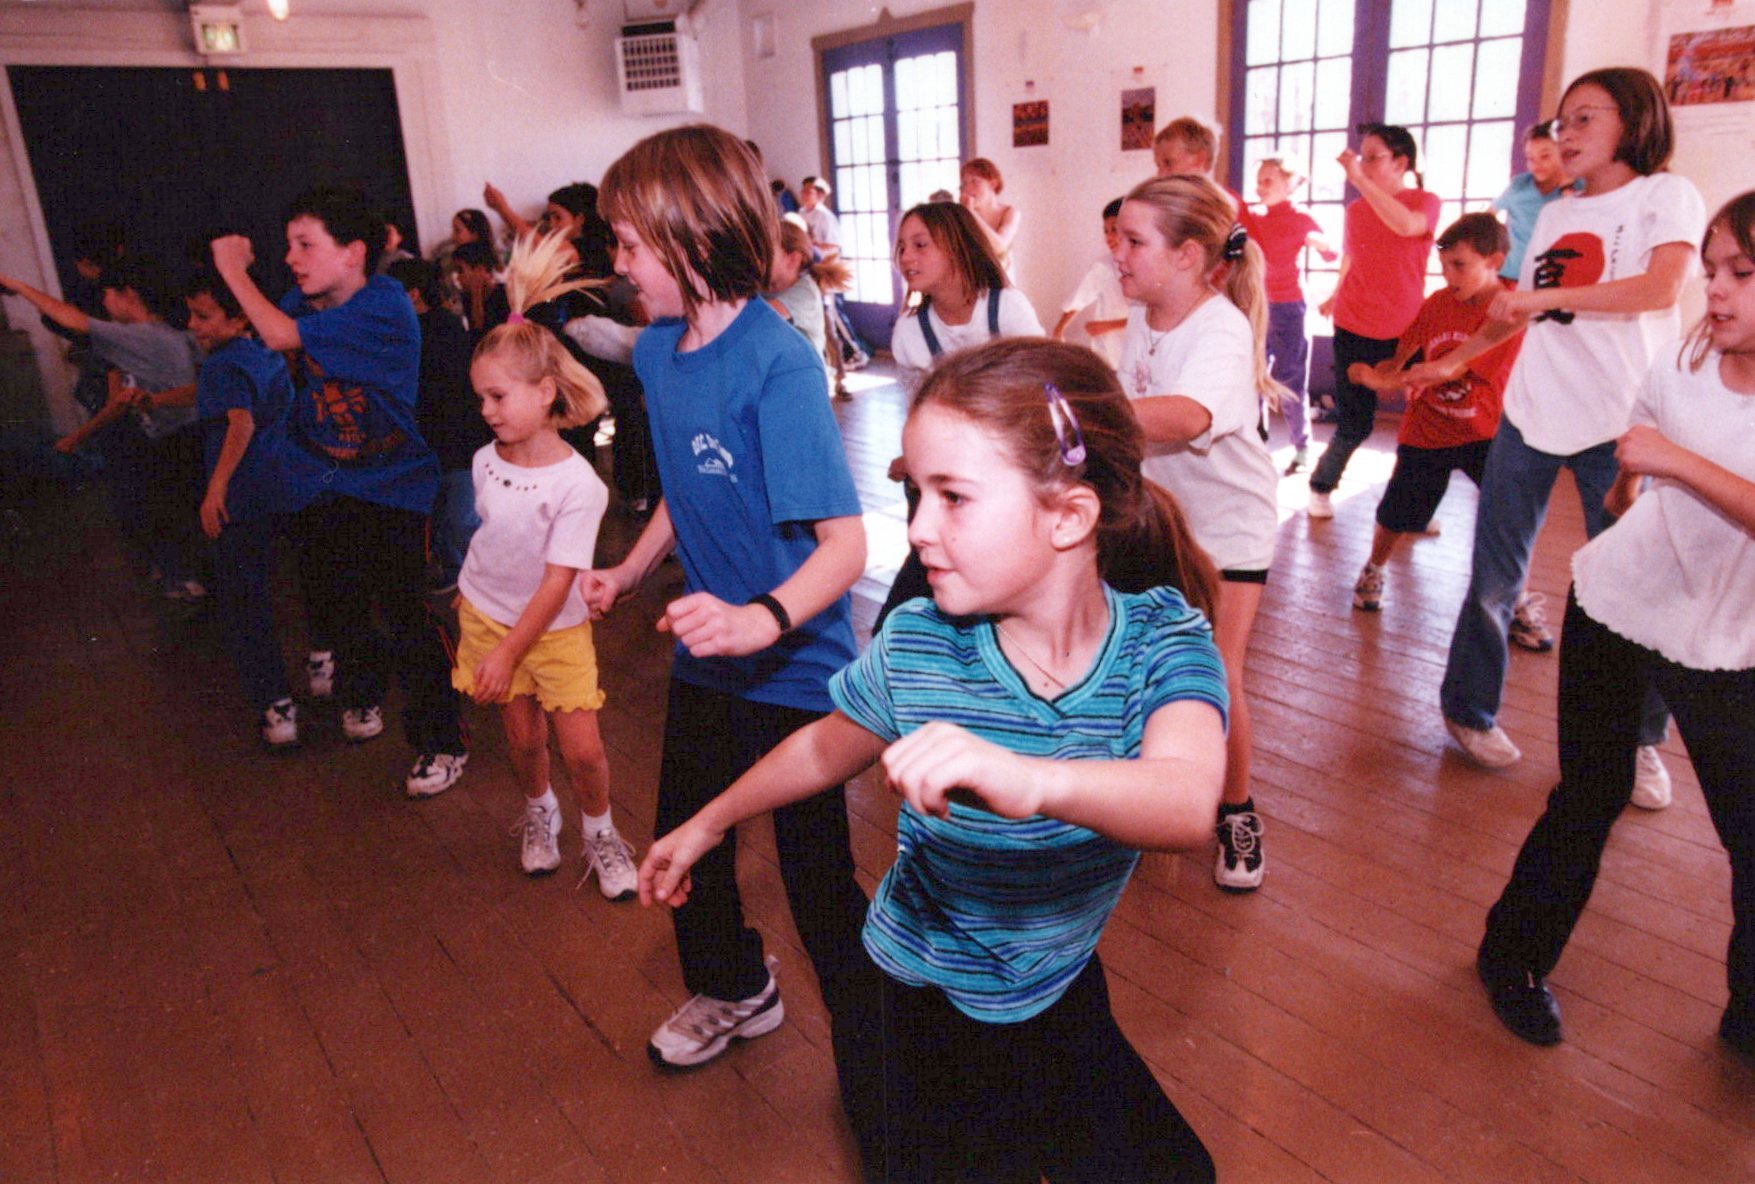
(217, 965)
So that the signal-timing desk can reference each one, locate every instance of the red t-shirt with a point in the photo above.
(1466, 409)
(1281, 231)
(1386, 275)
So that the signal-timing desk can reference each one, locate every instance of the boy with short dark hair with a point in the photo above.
(1101, 287)
(155, 461)
(484, 297)
(357, 470)
(1449, 427)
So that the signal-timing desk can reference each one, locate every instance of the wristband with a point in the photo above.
(781, 617)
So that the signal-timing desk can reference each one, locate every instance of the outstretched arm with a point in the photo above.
(63, 314)
(1457, 360)
(1165, 800)
(1657, 287)
(827, 752)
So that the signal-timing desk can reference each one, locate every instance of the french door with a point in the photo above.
(895, 109)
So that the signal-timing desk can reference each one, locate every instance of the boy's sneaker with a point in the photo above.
(1299, 462)
(1490, 747)
(320, 671)
(1239, 867)
(1529, 624)
(280, 724)
(362, 723)
(434, 773)
(1320, 506)
(1368, 592)
(700, 1029)
(539, 831)
(609, 855)
(1651, 781)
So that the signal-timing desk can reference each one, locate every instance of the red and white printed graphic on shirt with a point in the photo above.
(340, 421)
(1572, 261)
(1467, 408)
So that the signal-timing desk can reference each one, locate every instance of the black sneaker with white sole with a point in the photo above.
(1240, 866)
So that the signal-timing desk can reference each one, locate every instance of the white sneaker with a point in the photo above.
(362, 723)
(434, 773)
(320, 671)
(701, 1029)
(280, 724)
(1490, 747)
(1320, 506)
(609, 855)
(1651, 781)
(539, 830)
(1240, 865)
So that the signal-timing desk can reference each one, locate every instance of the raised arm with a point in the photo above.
(828, 752)
(232, 256)
(496, 201)
(1165, 800)
(58, 311)
(1399, 218)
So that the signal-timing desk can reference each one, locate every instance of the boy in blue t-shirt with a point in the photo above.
(1527, 193)
(241, 398)
(356, 471)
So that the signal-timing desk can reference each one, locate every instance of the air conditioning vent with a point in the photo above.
(658, 69)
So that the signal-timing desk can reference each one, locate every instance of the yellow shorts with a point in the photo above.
(560, 669)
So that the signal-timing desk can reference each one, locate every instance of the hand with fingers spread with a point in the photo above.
(709, 627)
(926, 765)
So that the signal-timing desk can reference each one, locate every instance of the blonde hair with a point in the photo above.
(1193, 209)
(1278, 164)
(700, 200)
(540, 271)
(831, 275)
(1192, 135)
(1143, 540)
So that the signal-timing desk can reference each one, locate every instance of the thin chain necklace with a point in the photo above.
(1154, 340)
(1025, 655)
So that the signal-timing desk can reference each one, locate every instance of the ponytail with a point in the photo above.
(539, 272)
(1243, 285)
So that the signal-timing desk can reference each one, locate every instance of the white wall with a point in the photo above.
(520, 92)
(1059, 189)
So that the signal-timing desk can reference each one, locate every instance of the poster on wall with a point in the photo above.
(1139, 117)
(1030, 124)
(1711, 66)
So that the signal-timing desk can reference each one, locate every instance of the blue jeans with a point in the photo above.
(454, 521)
(1288, 351)
(1514, 501)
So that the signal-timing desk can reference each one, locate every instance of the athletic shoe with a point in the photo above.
(539, 830)
(1522, 1002)
(1320, 506)
(1651, 781)
(1490, 747)
(362, 723)
(1239, 866)
(1368, 592)
(1299, 462)
(434, 773)
(280, 724)
(609, 855)
(1431, 530)
(701, 1029)
(1529, 624)
(320, 671)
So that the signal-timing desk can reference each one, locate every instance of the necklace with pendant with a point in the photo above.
(1025, 655)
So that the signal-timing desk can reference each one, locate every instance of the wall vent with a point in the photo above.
(658, 69)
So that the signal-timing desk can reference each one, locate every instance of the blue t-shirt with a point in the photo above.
(351, 431)
(1001, 914)
(1522, 201)
(751, 457)
(245, 375)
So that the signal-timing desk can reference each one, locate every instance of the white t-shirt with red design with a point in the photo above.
(1578, 372)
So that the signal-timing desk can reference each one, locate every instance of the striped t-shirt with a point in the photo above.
(1003, 914)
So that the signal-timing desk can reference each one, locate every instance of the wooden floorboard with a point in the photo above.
(218, 965)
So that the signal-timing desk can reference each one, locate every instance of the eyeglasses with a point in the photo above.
(1583, 118)
(1066, 426)
(1374, 157)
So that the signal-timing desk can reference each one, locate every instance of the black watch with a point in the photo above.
(781, 617)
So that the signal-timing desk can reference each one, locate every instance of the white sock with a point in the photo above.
(596, 822)
(546, 802)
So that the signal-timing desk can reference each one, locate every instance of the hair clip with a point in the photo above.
(1234, 241)
(1066, 424)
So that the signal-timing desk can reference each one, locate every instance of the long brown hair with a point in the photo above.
(541, 270)
(1143, 540)
(1737, 219)
(955, 231)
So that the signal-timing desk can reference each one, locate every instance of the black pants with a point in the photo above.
(1355, 406)
(243, 563)
(1062, 1095)
(358, 557)
(1603, 677)
(711, 738)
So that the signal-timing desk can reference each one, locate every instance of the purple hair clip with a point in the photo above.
(1066, 426)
